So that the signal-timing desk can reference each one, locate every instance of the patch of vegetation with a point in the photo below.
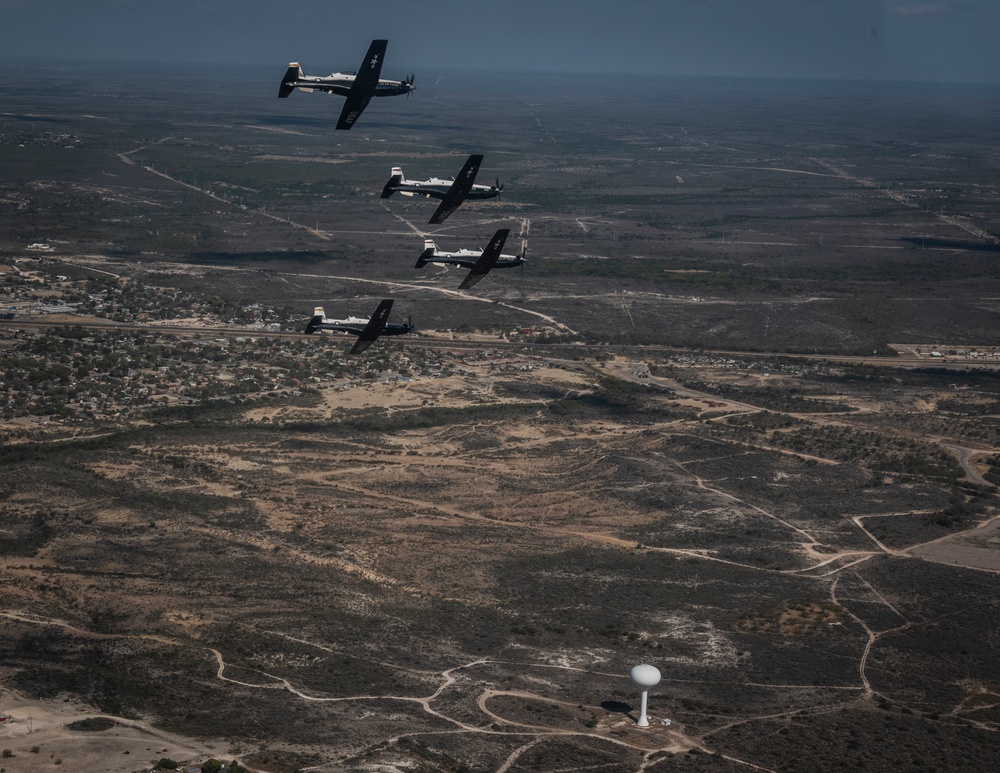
(665, 274)
(993, 473)
(879, 451)
(788, 399)
(297, 256)
(91, 724)
(966, 507)
(618, 399)
(279, 761)
(791, 618)
(763, 421)
(20, 536)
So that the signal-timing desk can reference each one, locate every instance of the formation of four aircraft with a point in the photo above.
(358, 89)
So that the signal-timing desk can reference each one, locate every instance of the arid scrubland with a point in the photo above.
(702, 428)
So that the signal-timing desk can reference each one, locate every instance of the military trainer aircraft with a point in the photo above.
(366, 329)
(452, 191)
(479, 261)
(359, 87)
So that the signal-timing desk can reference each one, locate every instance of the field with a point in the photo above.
(701, 428)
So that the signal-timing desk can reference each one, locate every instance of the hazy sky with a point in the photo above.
(950, 40)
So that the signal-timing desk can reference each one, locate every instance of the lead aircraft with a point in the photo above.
(481, 262)
(359, 87)
(452, 191)
(367, 329)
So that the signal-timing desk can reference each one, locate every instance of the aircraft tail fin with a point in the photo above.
(425, 257)
(317, 319)
(292, 74)
(394, 180)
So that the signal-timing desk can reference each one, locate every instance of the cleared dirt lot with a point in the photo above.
(40, 737)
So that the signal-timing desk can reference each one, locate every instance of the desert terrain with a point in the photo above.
(736, 417)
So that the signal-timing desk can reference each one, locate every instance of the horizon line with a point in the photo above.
(60, 62)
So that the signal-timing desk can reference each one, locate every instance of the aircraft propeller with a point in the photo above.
(498, 185)
(409, 85)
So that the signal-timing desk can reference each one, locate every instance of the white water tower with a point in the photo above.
(645, 677)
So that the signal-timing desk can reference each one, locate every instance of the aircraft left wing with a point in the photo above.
(487, 260)
(374, 328)
(360, 345)
(363, 88)
(458, 191)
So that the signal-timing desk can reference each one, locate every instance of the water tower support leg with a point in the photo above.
(643, 720)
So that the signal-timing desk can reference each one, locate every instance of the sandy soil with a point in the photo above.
(977, 549)
(453, 391)
(126, 747)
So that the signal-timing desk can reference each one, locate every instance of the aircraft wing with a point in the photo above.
(374, 328)
(360, 345)
(363, 88)
(458, 191)
(470, 280)
(487, 260)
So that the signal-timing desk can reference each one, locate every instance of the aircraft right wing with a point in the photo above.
(374, 328)
(458, 191)
(363, 88)
(487, 260)
(425, 257)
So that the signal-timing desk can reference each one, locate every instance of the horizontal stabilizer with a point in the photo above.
(317, 320)
(291, 76)
(390, 187)
(425, 257)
